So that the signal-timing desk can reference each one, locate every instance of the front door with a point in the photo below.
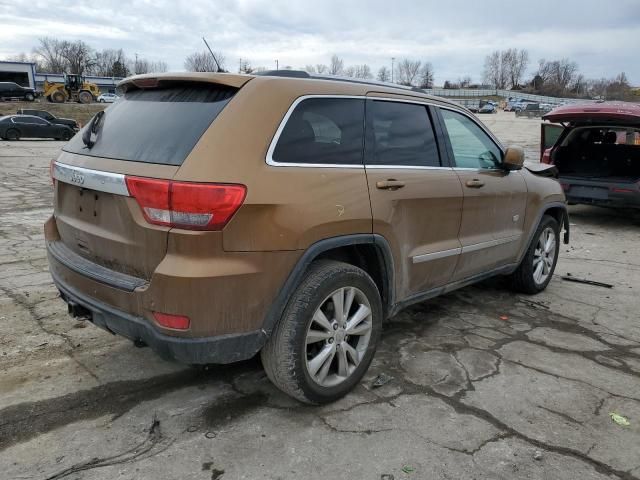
(494, 198)
(416, 200)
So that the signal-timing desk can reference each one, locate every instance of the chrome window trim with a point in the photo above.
(405, 167)
(283, 122)
(274, 141)
(90, 179)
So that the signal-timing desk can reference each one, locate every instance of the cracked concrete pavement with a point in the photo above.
(472, 395)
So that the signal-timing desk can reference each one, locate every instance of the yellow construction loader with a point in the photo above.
(75, 89)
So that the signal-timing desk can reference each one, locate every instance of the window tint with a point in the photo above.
(38, 121)
(472, 147)
(156, 125)
(323, 131)
(403, 135)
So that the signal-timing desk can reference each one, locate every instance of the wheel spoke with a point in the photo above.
(343, 364)
(321, 319)
(351, 353)
(537, 273)
(325, 356)
(315, 336)
(324, 371)
(351, 293)
(338, 305)
(357, 318)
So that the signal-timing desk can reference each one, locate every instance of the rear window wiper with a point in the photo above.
(90, 135)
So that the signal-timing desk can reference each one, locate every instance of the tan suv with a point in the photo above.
(215, 216)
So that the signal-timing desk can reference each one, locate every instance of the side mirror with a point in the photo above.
(513, 158)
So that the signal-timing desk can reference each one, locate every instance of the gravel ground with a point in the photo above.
(471, 395)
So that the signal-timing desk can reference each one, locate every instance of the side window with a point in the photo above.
(323, 131)
(38, 121)
(402, 135)
(472, 147)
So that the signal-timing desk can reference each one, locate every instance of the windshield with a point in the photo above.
(159, 125)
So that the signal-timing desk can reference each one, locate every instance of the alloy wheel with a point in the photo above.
(544, 255)
(338, 336)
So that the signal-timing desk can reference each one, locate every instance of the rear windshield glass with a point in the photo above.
(160, 125)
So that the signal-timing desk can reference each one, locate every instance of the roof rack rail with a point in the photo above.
(284, 73)
(336, 78)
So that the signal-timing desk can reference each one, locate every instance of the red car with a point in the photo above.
(596, 149)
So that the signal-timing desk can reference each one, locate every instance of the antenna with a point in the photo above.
(211, 52)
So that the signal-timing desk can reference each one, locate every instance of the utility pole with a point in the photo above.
(392, 60)
(277, 66)
(240, 65)
(135, 67)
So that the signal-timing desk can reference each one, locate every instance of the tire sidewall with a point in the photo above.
(12, 134)
(302, 316)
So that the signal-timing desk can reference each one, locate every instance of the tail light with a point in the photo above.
(176, 322)
(192, 206)
(565, 186)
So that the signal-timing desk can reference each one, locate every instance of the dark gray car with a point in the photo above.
(14, 127)
(11, 90)
(49, 117)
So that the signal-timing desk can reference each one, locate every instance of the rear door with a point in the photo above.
(416, 199)
(494, 199)
(147, 134)
(549, 135)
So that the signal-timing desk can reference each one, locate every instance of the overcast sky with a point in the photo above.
(455, 36)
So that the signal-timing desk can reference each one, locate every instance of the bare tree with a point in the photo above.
(495, 71)
(426, 76)
(108, 61)
(310, 69)
(349, 71)
(50, 53)
(245, 67)
(159, 66)
(384, 74)
(363, 71)
(321, 68)
(78, 55)
(407, 71)
(518, 60)
(336, 67)
(204, 62)
(465, 81)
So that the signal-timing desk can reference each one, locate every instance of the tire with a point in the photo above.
(12, 134)
(288, 359)
(101, 100)
(526, 278)
(66, 136)
(29, 97)
(58, 97)
(85, 97)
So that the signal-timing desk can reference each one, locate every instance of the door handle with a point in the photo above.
(475, 183)
(391, 184)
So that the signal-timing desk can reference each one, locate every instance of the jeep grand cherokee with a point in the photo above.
(215, 216)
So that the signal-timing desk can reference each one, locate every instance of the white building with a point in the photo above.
(22, 73)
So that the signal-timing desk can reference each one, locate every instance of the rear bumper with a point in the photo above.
(606, 194)
(196, 351)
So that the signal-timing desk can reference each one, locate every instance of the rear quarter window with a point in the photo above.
(326, 131)
(159, 125)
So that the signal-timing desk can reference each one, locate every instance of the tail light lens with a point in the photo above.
(565, 186)
(176, 322)
(192, 206)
